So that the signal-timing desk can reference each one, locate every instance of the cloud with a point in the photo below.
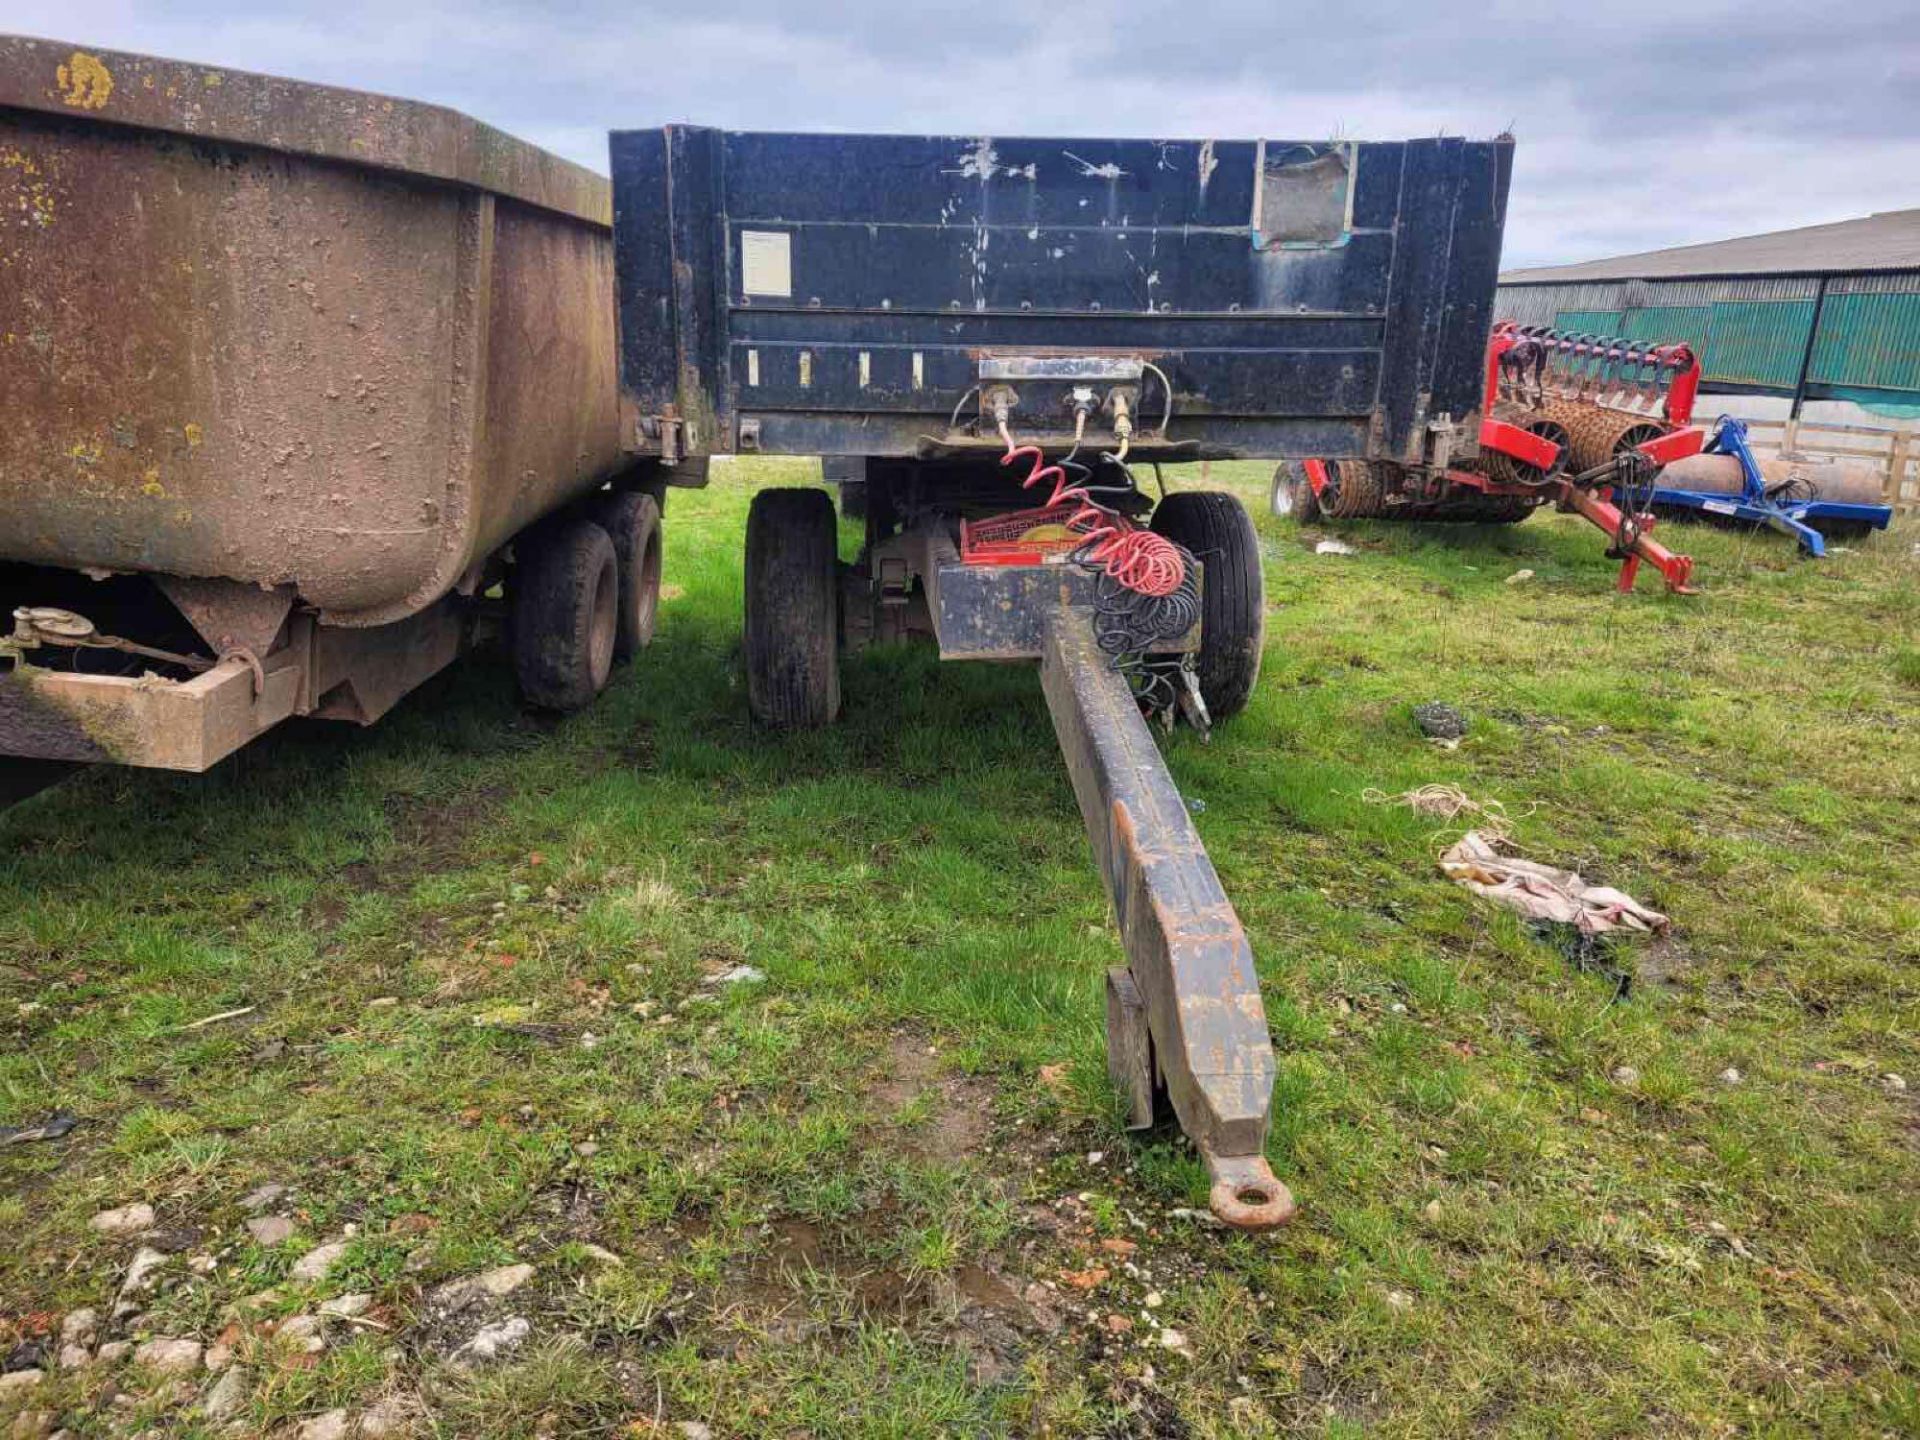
(1641, 124)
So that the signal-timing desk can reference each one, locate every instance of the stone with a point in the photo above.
(219, 1355)
(1624, 1075)
(498, 1284)
(1731, 1076)
(202, 1264)
(694, 1430)
(33, 1425)
(72, 1357)
(140, 1272)
(1432, 1211)
(385, 1002)
(1399, 1300)
(79, 1326)
(258, 1200)
(601, 1254)
(1896, 1084)
(226, 1395)
(1171, 1339)
(1439, 721)
(114, 1351)
(17, 1382)
(330, 1426)
(270, 1229)
(303, 1333)
(315, 1264)
(345, 1307)
(127, 1220)
(170, 1357)
(490, 1342)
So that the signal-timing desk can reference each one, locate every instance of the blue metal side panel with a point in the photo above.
(1317, 298)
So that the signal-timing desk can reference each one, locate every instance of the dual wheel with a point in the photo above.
(793, 602)
(586, 591)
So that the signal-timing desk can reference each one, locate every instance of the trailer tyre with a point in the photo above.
(1216, 529)
(565, 618)
(631, 519)
(793, 609)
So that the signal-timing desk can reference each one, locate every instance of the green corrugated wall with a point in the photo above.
(1589, 322)
(1871, 341)
(1758, 342)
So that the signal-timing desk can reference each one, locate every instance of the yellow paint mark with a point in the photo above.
(84, 452)
(147, 81)
(193, 433)
(212, 80)
(85, 83)
(151, 484)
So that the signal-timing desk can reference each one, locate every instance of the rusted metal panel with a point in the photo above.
(286, 335)
(1187, 954)
(265, 112)
(145, 720)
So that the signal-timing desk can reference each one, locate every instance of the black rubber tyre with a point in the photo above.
(1233, 610)
(1293, 495)
(631, 519)
(565, 618)
(793, 609)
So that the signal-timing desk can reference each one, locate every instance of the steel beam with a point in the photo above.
(1186, 1012)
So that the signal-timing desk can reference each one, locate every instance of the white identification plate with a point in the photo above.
(1720, 507)
(766, 263)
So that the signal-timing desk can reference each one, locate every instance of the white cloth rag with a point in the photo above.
(1541, 892)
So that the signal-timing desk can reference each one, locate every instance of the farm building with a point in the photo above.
(1817, 329)
(1828, 312)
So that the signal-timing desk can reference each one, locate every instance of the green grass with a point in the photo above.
(807, 1178)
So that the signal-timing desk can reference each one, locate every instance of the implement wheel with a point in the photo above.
(793, 609)
(1293, 494)
(565, 617)
(1354, 493)
(632, 521)
(1233, 611)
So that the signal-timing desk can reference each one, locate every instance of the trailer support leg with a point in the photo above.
(1186, 1011)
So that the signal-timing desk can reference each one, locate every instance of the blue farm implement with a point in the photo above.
(1791, 505)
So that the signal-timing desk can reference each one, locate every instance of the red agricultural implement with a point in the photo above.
(1585, 422)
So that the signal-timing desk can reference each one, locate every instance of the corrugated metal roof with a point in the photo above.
(1886, 241)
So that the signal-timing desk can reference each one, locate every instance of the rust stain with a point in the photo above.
(85, 82)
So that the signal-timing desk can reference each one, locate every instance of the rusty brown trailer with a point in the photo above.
(308, 357)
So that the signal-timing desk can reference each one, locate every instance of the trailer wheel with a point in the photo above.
(565, 619)
(793, 609)
(631, 519)
(1293, 494)
(1233, 612)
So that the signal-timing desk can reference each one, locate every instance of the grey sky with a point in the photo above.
(1640, 124)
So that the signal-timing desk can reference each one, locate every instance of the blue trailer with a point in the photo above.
(992, 334)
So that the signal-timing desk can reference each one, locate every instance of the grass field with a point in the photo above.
(493, 1016)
